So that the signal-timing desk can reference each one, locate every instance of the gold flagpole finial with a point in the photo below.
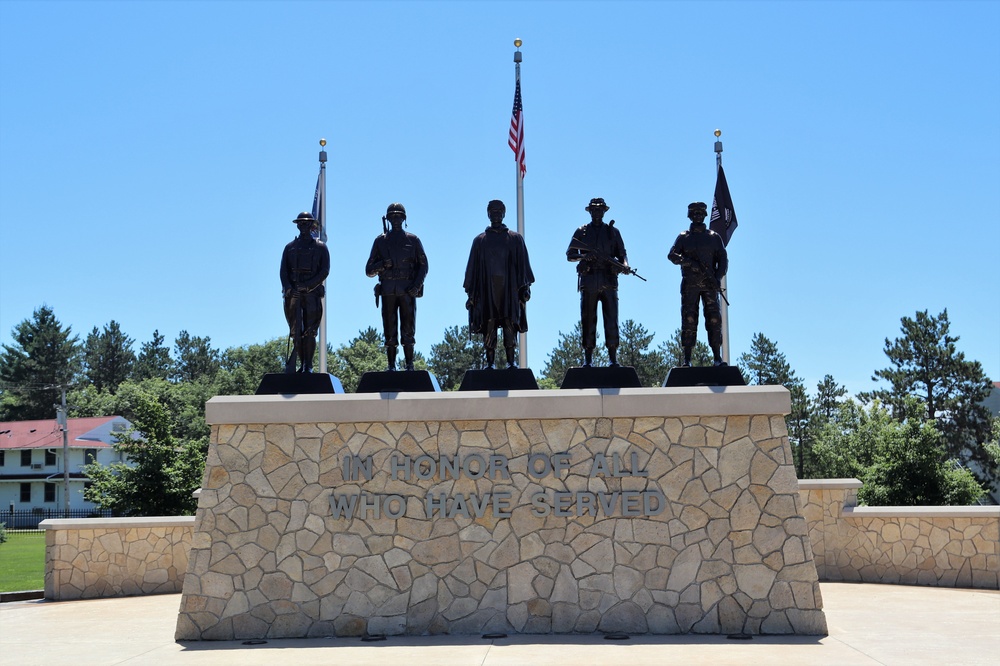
(517, 43)
(322, 142)
(718, 133)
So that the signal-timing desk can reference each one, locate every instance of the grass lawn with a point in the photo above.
(22, 562)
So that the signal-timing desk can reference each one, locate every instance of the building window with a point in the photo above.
(25, 493)
(50, 492)
(89, 456)
(50, 458)
(2, 457)
(26, 458)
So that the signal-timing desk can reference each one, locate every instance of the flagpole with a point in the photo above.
(322, 237)
(522, 347)
(723, 283)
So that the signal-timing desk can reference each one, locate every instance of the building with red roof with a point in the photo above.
(32, 461)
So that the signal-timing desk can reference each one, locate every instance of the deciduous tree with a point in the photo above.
(568, 353)
(164, 471)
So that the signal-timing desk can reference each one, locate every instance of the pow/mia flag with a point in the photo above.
(723, 220)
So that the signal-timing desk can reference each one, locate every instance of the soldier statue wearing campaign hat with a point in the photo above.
(398, 259)
(305, 263)
(600, 252)
(701, 254)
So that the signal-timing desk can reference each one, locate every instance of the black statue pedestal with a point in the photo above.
(619, 376)
(503, 379)
(398, 381)
(294, 383)
(724, 375)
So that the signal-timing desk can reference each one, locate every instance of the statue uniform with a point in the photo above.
(597, 281)
(305, 264)
(400, 284)
(703, 259)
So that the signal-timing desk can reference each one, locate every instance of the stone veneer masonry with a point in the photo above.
(948, 546)
(711, 539)
(115, 557)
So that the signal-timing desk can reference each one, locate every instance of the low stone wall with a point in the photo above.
(115, 557)
(949, 546)
(637, 510)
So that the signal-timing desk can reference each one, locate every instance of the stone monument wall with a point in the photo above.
(943, 546)
(88, 558)
(635, 510)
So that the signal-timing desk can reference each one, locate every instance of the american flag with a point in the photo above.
(516, 141)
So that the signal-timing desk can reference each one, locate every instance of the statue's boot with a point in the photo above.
(588, 357)
(308, 350)
(717, 355)
(491, 355)
(408, 356)
(510, 357)
(390, 354)
(613, 357)
(687, 357)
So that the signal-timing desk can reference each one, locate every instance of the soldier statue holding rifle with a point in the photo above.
(600, 252)
(305, 263)
(398, 259)
(701, 254)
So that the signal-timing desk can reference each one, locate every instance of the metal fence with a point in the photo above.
(26, 520)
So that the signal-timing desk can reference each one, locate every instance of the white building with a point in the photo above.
(31, 461)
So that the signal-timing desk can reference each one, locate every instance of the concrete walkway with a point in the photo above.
(869, 624)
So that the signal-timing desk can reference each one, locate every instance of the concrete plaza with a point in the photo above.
(868, 624)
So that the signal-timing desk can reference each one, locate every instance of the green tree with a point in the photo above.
(44, 356)
(673, 352)
(650, 366)
(195, 358)
(568, 353)
(900, 461)
(153, 361)
(829, 398)
(365, 353)
(164, 471)
(455, 354)
(108, 357)
(242, 368)
(925, 364)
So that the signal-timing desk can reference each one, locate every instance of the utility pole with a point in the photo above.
(63, 422)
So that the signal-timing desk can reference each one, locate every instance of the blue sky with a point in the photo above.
(153, 155)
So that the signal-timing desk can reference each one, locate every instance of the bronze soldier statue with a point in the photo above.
(305, 263)
(701, 254)
(498, 282)
(600, 251)
(398, 259)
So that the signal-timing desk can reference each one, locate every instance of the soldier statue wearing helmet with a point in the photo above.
(600, 251)
(702, 256)
(305, 263)
(398, 259)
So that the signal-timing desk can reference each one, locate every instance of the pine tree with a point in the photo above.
(154, 360)
(454, 355)
(673, 352)
(108, 357)
(925, 364)
(195, 358)
(44, 357)
(650, 366)
(568, 353)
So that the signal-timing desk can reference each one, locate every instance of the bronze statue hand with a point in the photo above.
(524, 294)
(469, 303)
(413, 290)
